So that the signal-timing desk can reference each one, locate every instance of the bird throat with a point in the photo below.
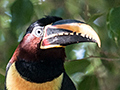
(39, 72)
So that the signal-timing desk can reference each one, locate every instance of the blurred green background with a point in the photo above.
(90, 67)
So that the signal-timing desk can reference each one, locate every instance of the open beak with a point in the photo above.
(66, 32)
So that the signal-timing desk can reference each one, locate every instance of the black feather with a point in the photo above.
(39, 72)
(43, 22)
(67, 21)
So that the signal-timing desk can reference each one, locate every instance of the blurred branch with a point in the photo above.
(86, 10)
(2, 72)
(103, 58)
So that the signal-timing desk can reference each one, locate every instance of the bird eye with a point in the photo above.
(38, 31)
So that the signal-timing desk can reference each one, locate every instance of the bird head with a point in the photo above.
(53, 33)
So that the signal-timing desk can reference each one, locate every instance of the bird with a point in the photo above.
(38, 61)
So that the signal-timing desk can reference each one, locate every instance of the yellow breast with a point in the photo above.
(15, 82)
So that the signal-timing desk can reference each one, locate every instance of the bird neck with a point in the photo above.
(40, 66)
(39, 72)
(16, 81)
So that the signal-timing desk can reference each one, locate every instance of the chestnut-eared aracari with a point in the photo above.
(38, 61)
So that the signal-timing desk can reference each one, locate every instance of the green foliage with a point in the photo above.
(21, 11)
(114, 23)
(90, 67)
(89, 83)
(2, 79)
(76, 66)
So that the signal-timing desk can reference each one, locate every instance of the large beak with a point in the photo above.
(66, 32)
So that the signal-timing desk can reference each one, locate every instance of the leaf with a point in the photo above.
(114, 21)
(76, 66)
(22, 11)
(89, 83)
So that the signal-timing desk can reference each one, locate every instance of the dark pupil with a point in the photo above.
(38, 31)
